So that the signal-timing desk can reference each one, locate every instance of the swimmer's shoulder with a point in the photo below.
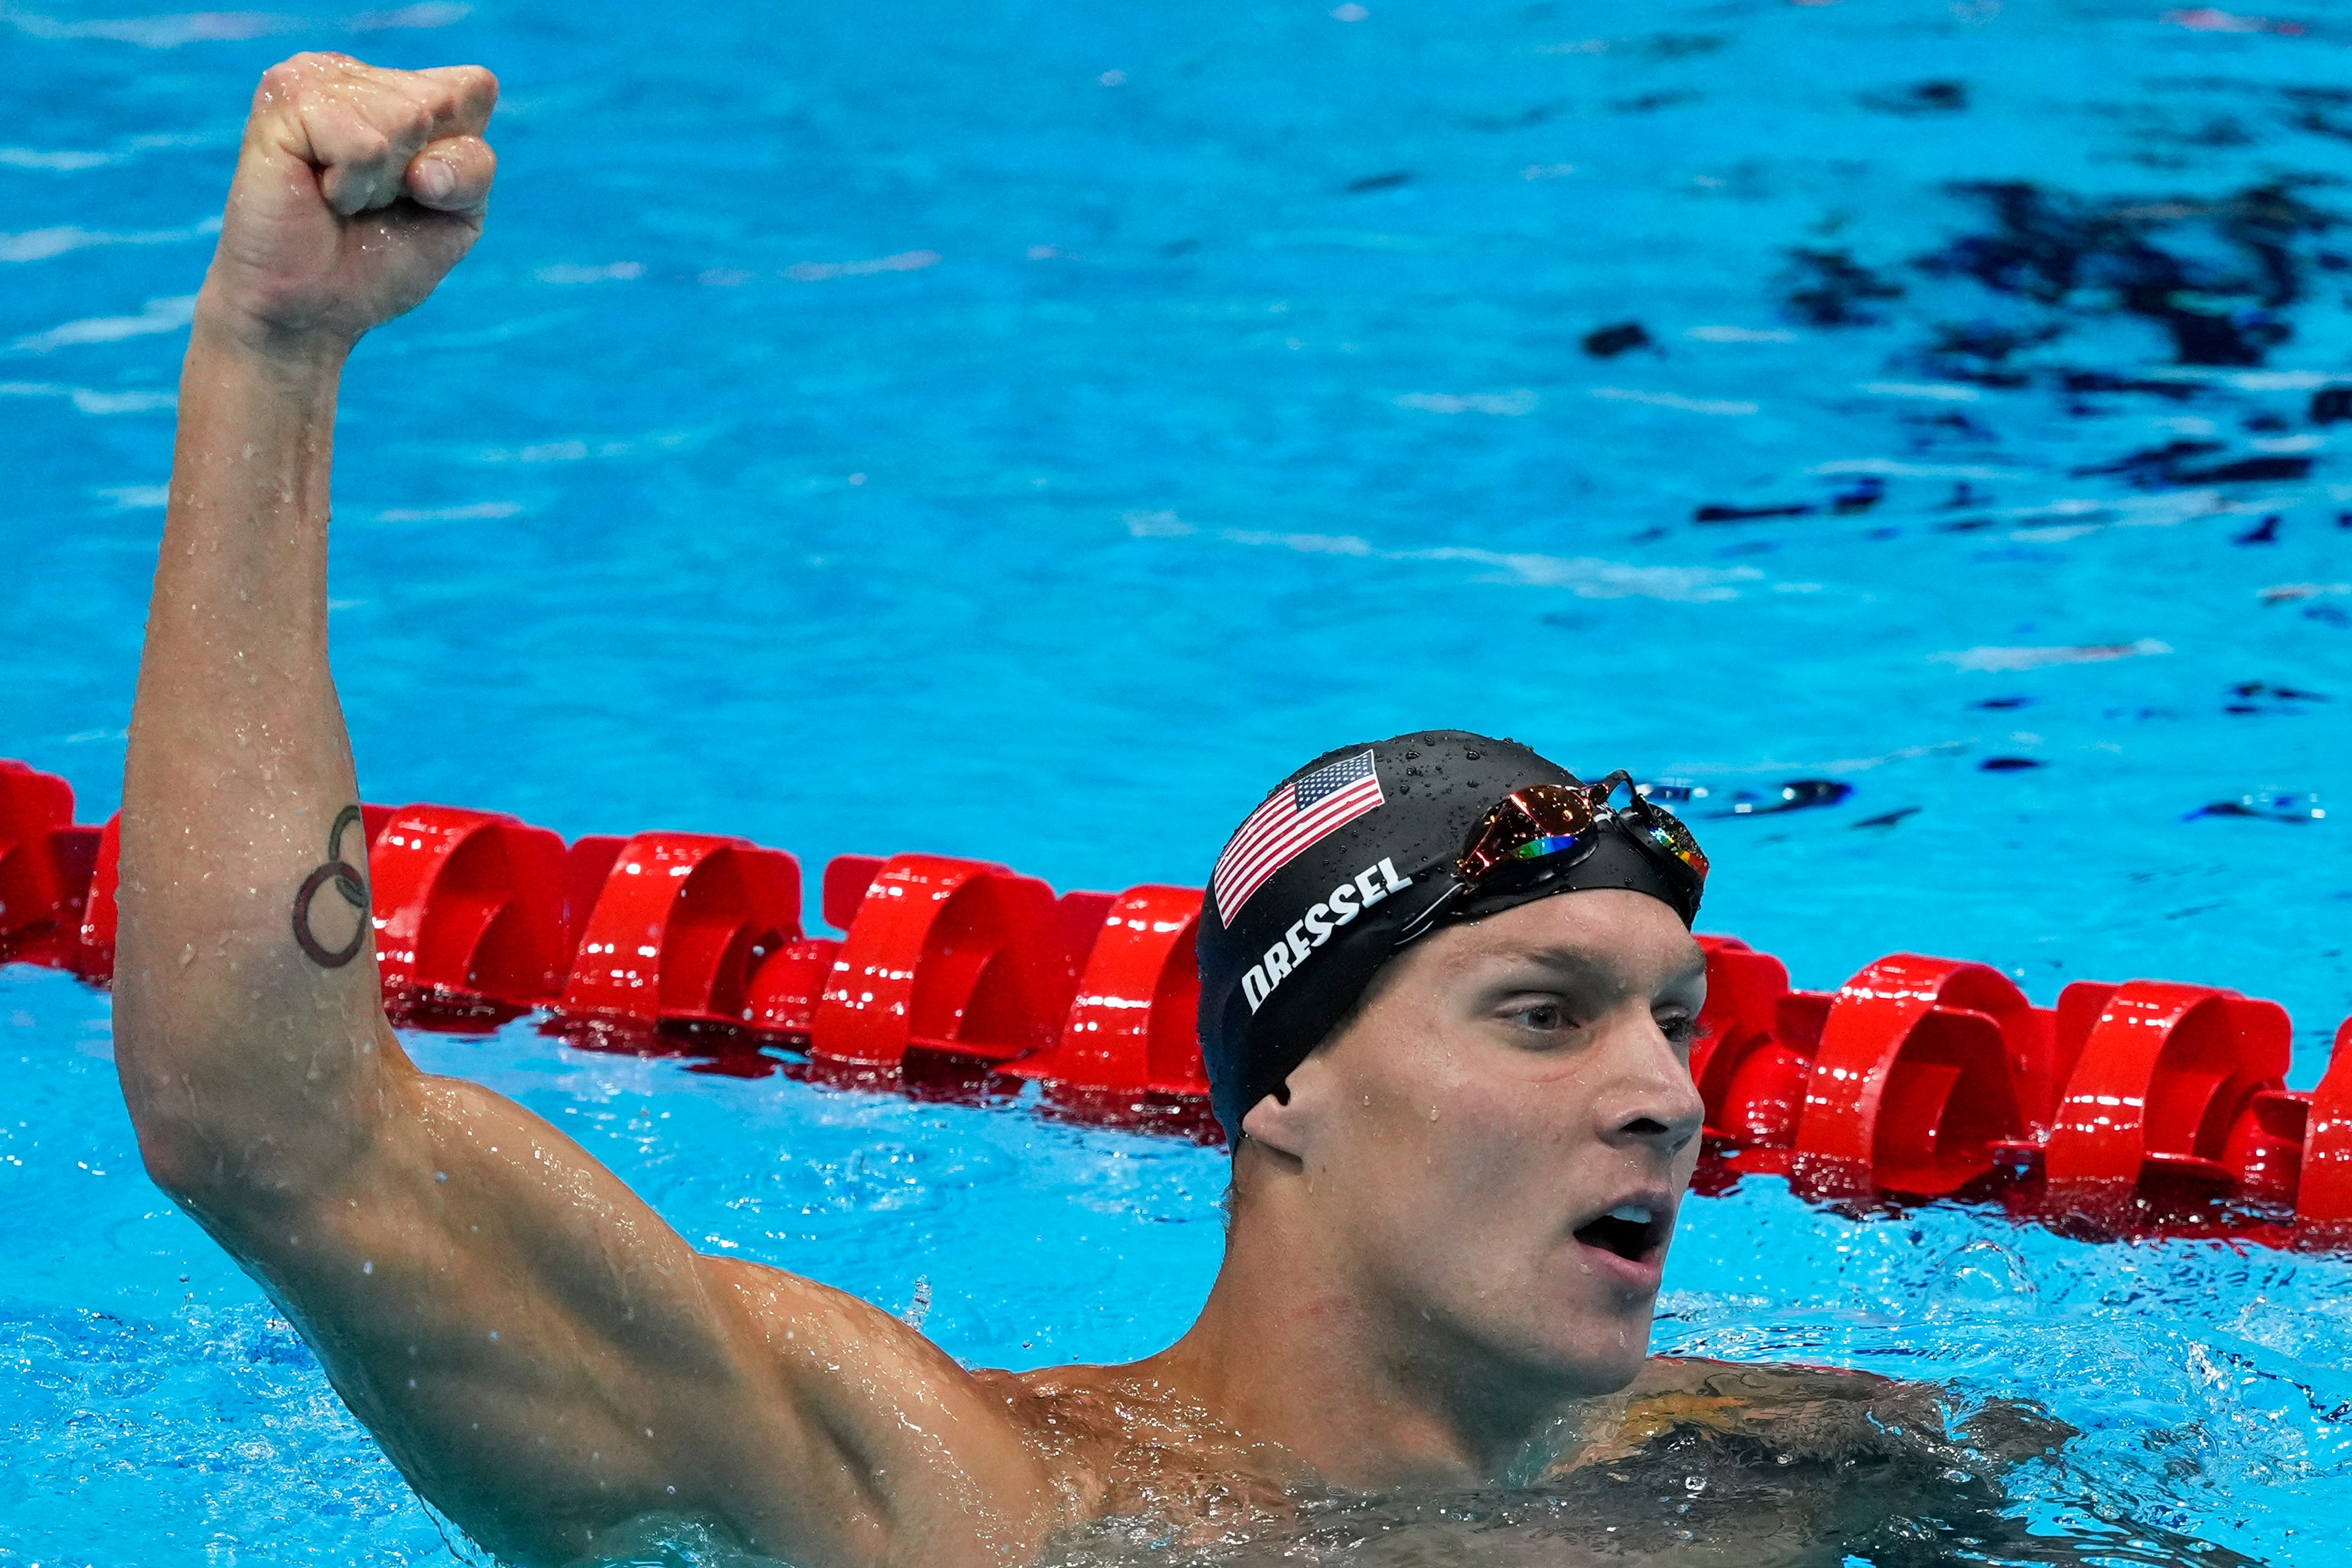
(1808, 1412)
(1761, 1382)
(1789, 1407)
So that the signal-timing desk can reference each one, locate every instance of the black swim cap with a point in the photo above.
(1314, 890)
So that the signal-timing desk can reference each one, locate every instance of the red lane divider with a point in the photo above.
(2144, 1107)
(846, 878)
(93, 949)
(1923, 1065)
(2164, 1090)
(782, 996)
(2323, 1203)
(469, 907)
(683, 923)
(1131, 1027)
(948, 955)
(38, 858)
(1754, 1052)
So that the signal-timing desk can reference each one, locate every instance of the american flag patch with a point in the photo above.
(1293, 820)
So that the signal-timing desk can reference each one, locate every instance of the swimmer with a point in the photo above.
(1448, 998)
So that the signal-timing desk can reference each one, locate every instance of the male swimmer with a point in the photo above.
(1448, 994)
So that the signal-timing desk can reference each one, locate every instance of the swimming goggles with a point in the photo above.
(1533, 835)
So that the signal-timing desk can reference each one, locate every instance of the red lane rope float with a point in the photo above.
(2173, 1086)
(468, 906)
(2323, 1203)
(948, 955)
(1922, 1065)
(1130, 1024)
(682, 924)
(45, 864)
(2146, 1108)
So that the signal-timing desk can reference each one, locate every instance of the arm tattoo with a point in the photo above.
(348, 882)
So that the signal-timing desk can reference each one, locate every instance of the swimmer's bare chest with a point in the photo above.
(1121, 1442)
(1142, 1468)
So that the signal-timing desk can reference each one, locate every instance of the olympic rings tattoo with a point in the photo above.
(348, 882)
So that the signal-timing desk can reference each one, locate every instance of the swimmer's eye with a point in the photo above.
(1680, 1028)
(1546, 1018)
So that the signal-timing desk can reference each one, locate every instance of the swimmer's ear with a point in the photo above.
(1285, 1120)
(1270, 1124)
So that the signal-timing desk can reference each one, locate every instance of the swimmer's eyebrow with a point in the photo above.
(1582, 966)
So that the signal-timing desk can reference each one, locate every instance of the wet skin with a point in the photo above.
(1419, 1291)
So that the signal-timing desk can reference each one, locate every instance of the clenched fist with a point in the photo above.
(356, 190)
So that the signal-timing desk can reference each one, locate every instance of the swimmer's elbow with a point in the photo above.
(223, 1166)
(182, 1154)
(172, 1142)
(187, 1166)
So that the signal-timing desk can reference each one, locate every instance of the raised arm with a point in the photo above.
(541, 1354)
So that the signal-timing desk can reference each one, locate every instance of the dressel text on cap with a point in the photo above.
(1314, 928)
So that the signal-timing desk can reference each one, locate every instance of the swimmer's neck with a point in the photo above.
(1294, 1350)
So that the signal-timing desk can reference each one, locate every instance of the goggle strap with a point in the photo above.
(1414, 929)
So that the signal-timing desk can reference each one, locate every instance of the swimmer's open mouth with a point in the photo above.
(1633, 1231)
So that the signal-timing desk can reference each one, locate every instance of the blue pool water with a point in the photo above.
(1071, 417)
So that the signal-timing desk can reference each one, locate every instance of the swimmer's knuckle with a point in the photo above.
(369, 145)
(287, 81)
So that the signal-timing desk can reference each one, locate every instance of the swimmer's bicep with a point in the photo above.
(873, 1394)
(474, 1185)
(540, 1351)
(544, 1356)
(831, 1431)
(471, 1255)
(553, 1308)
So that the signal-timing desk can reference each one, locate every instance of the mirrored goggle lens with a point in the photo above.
(1528, 825)
(1665, 830)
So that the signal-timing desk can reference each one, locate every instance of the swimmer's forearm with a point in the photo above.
(240, 1054)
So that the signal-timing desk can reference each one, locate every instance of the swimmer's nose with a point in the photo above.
(1652, 1101)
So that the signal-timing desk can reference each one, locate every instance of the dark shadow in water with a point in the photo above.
(1829, 288)
(2232, 263)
